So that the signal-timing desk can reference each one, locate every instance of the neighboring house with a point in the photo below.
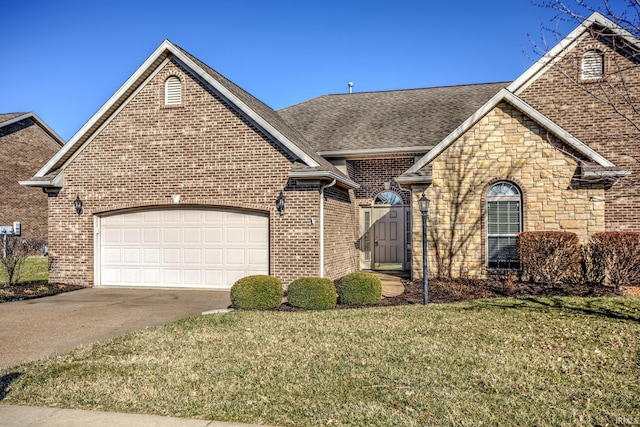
(187, 180)
(26, 143)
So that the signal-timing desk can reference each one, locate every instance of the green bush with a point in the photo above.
(312, 293)
(359, 289)
(257, 293)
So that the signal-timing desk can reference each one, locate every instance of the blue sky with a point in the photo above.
(64, 59)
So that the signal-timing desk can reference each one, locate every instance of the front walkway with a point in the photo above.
(392, 282)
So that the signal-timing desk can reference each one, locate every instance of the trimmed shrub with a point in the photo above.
(312, 293)
(257, 293)
(359, 289)
(550, 256)
(615, 258)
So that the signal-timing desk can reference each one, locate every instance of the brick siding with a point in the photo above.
(202, 150)
(24, 149)
(562, 96)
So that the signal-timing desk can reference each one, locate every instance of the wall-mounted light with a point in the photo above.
(280, 203)
(77, 203)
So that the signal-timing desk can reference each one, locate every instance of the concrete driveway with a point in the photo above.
(34, 329)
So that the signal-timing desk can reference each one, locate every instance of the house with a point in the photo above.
(184, 179)
(26, 143)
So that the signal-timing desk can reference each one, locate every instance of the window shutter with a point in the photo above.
(592, 65)
(173, 91)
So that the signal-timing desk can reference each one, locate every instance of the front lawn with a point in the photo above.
(525, 361)
(33, 270)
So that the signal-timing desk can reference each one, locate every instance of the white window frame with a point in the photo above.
(505, 192)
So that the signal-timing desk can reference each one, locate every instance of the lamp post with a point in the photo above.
(423, 204)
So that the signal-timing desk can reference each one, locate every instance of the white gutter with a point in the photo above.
(322, 225)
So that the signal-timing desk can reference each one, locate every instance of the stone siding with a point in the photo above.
(503, 145)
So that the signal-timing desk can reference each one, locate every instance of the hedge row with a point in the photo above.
(611, 258)
(311, 293)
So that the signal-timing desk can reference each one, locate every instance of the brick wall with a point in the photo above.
(372, 174)
(202, 150)
(503, 145)
(24, 149)
(340, 228)
(561, 95)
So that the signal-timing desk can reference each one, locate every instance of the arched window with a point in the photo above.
(173, 91)
(504, 222)
(388, 198)
(592, 65)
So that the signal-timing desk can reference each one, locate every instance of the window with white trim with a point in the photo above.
(173, 91)
(504, 222)
(388, 198)
(592, 65)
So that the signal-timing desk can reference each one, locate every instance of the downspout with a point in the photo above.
(322, 225)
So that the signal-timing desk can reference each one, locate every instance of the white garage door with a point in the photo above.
(201, 248)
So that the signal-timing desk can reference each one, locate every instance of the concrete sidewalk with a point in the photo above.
(32, 416)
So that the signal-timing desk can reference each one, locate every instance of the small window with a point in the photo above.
(592, 65)
(504, 222)
(388, 198)
(173, 91)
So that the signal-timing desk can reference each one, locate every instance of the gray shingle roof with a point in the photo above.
(9, 116)
(390, 119)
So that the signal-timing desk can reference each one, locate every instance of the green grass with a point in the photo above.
(33, 270)
(529, 361)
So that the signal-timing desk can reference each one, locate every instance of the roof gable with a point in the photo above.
(251, 108)
(565, 45)
(412, 175)
(11, 118)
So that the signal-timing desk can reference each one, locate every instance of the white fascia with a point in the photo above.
(505, 95)
(564, 46)
(40, 123)
(104, 109)
(323, 175)
(164, 48)
(375, 151)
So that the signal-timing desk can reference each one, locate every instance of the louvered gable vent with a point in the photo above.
(592, 65)
(173, 91)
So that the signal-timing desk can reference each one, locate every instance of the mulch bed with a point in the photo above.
(440, 291)
(446, 291)
(31, 290)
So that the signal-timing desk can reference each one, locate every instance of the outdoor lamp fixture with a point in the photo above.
(423, 204)
(77, 203)
(280, 203)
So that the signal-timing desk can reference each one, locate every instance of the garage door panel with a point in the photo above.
(183, 247)
(151, 235)
(213, 256)
(151, 255)
(192, 256)
(171, 235)
(131, 255)
(112, 235)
